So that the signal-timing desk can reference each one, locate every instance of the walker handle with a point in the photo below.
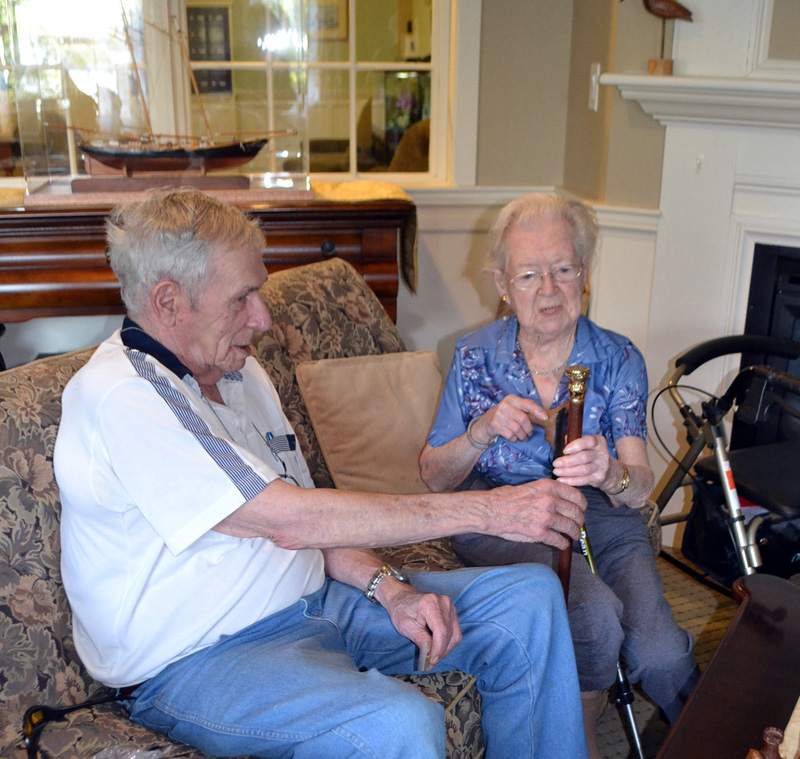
(722, 346)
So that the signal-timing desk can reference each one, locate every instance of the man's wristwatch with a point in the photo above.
(384, 571)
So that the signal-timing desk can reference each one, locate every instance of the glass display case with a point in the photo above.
(148, 92)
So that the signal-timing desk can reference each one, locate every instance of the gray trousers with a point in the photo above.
(622, 611)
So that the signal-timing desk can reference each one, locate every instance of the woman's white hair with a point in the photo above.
(171, 235)
(531, 209)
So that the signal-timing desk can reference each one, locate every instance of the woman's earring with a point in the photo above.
(503, 299)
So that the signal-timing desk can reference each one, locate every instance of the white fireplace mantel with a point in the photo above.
(747, 101)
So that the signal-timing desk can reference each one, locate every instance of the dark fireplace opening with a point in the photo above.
(773, 308)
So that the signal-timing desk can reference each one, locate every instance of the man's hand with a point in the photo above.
(544, 511)
(426, 619)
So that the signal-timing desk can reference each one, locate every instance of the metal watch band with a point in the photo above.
(385, 571)
(624, 482)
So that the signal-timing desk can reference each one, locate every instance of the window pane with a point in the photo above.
(328, 121)
(9, 142)
(394, 127)
(393, 30)
(328, 32)
(80, 73)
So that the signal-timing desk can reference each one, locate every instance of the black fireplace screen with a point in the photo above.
(773, 308)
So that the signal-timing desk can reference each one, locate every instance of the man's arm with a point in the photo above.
(426, 619)
(540, 512)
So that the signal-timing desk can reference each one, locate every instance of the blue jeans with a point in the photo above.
(309, 681)
(620, 611)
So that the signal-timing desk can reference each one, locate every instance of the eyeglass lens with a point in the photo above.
(565, 273)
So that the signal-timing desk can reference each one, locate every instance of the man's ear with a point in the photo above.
(168, 300)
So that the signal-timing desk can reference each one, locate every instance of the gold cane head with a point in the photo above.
(577, 376)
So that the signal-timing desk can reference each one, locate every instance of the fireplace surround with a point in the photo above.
(730, 183)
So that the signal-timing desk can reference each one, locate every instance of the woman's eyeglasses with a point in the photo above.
(534, 278)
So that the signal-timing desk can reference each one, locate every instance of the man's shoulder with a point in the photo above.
(107, 358)
(110, 367)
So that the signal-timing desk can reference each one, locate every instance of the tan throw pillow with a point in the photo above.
(371, 416)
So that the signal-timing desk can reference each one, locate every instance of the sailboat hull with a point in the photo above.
(133, 158)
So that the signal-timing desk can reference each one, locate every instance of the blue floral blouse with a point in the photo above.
(489, 364)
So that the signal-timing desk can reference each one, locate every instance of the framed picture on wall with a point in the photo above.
(209, 33)
(327, 19)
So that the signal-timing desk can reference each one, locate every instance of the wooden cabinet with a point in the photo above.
(53, 261)
(751, 682)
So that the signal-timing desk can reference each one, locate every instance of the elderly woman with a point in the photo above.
(506, 379)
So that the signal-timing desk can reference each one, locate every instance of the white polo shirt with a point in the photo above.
(146, 468)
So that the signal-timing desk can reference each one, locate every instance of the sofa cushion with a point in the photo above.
(371, 416)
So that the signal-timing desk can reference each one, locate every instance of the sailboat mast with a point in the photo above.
(136, 73)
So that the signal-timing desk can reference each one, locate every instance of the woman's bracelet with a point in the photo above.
(623, 483)
(473, 442)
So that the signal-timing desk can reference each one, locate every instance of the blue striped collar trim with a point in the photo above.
(135, 338)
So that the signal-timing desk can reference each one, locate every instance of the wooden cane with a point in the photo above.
(577, 376)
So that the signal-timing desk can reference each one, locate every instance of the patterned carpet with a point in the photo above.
(705, 613)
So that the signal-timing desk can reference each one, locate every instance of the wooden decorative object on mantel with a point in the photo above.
(659, 67)
(204, 182)
(105, 196)
(664, 9)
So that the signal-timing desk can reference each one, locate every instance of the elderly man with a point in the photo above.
(234, 606)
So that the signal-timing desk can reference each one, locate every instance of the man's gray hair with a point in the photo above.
(171, 235)
(536, 207)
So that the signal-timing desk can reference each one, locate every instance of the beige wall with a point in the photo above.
(784, 42)
(635, 140)
(524, 81)
(586, 137)
(534, 123)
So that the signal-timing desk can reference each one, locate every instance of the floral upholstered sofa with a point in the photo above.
(322, 310)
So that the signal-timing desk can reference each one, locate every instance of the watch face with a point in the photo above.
(398, 574)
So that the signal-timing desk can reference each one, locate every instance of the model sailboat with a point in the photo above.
(152, 152)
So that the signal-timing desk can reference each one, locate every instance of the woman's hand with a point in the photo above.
(587, 461)
(513, 419)
(447, 466)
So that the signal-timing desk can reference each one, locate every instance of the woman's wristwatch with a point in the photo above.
(385, 571)
(623, 483)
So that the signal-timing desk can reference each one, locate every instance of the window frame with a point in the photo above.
(455, 43)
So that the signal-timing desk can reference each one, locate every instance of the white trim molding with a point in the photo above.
(736, 101)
